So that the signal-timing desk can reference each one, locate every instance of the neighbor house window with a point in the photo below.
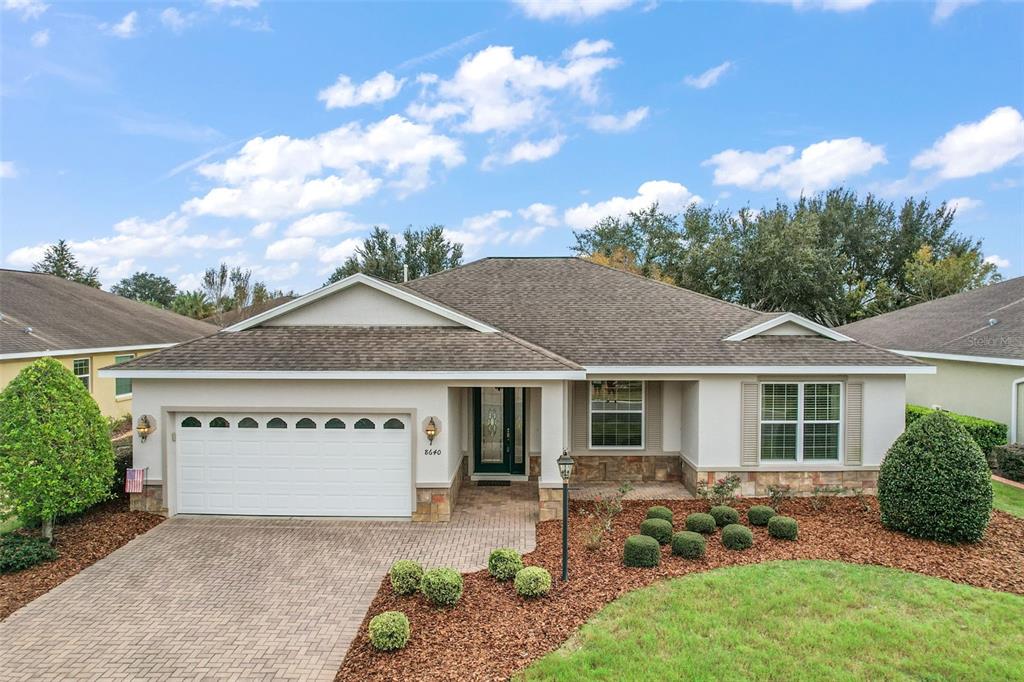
(81, 368)
(617, 414)
(122, 387)
(800, 421)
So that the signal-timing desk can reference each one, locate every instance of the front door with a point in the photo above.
(499, 430)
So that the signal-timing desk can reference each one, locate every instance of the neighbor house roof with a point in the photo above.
(987, 322)
(41, 314)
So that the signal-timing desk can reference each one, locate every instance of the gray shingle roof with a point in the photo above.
(311, 349)
(65, 315)
(957, 325)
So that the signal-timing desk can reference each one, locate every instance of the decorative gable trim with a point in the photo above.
(374, 283)
(788, 318)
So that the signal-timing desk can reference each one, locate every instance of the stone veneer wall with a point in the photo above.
(754, 483)
(550, 504)
(151, 499)
(593, 468)
(436, 504)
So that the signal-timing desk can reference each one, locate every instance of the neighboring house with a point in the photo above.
(230, 317)
(975, 340)
(86, 329)
(366, 398)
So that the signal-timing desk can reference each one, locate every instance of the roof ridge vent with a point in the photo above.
(28, 330)
(992, 322)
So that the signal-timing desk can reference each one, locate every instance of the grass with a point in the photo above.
(1008, 498)
(797, 620)
(9, 525)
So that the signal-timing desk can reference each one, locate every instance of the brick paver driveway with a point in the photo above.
(243, 598)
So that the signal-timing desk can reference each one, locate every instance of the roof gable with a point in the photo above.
(787, 324)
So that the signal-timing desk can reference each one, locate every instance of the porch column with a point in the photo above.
(553, 425)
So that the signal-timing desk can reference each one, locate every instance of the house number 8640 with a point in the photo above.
(432, 452)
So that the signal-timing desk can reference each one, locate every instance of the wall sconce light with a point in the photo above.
(144, 427)
(431, 430)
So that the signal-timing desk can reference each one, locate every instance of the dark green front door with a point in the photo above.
(499, 430)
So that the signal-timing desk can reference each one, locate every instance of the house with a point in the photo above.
(975, 340)
(366, 398)
(86, 329)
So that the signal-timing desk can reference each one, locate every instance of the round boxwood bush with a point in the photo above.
(724, 516)
(504, 563)
(18, 552)
(389, 631)
(405, 576)
(659, 529)
(782, 527)
(532, 581)
(759, 514)
(442, 586)
(641, 551)
(688, 544)
(934, 482)
(701, 523)
(735, 536)
(660, 512)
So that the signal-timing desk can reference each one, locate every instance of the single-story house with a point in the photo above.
(976, 342)
(367, 398)
(86, 329)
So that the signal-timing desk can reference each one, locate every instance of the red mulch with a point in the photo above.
(80, 543)
(492, 633)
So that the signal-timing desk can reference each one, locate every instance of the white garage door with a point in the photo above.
(289, 464)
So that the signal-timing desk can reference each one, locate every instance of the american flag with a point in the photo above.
(133, 480)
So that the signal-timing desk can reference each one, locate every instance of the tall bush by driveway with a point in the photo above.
(985, 432)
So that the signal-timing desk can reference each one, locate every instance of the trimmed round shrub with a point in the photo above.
(641, 551)
(442, 586)
(405, 576)
(389, 631)
(759, 514)
(782, 527)
(724, 516)
(504, 563)
(18, 552)
(659, 529)
(660, 512)
(532, 581)
(688, 544)
(735, 536)
(935, 483)
(701, 523)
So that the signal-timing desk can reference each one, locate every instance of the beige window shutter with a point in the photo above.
(655, 420)
(750, 425)
(580, 415)
(854, 424)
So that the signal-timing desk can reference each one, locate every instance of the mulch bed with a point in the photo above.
(492, 633)
(80, 542)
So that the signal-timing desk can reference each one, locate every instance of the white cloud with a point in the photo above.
(973, 148)
(127, 27)
(488, 229)
(323, 225)
(495, 91)
(40, 38)
(607, 123)
(828, 5)
(7, 170)
(486, 221)
(336, 255)
(527, 151)
(819, 166)
(240, 4)
(671, 196)
(173, 19)
(709, 77)
(541, 214)
(573, 10)
(964, 204)
(344, 93)
(291, 248)
(944, 9)
(526, 235)
(28, 9)
(997, 261)
(263, 230)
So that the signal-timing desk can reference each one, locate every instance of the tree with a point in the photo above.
(147, 287)
(55, 453)
(192, 304)
(650, 236)
(215, 284)
(929, 277)
(61, 262)
(425, 252)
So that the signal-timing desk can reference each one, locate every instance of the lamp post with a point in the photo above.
(565, 464)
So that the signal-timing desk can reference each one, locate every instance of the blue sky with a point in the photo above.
(170, 136)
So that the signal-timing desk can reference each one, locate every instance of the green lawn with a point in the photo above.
(1008, 498)
(798, 620)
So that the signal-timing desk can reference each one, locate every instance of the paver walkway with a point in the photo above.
(243, 598)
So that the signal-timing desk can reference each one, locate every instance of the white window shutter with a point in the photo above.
(854, 424)
(750, 425)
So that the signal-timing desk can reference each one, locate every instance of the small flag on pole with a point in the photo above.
(133, 480)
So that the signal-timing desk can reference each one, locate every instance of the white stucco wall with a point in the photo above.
(689, 403)
(974, 388)
(672, 413)
(360, 305)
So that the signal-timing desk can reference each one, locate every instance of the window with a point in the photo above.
(305, 423)
(81, 368)
(190, 423)
(122, 387)
(334, 423)
(248, 423)
(394, 424)
(219, 423)
(365, 424)
(617, 414)
(277, 423)
(800, 422)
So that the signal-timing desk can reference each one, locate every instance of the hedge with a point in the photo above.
(985, 432)
(1010, 462)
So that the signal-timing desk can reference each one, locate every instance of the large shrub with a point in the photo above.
(55, 453)
(934, 482)
(1010, 462)
(405, 576)
(659, 529)
(688, 544)
(724, 516)
(389, 631)
(701, 523)
(442, 586)
(985, 432)
(532, 581)
(503, 564)
(641, 551)
(18, 552)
